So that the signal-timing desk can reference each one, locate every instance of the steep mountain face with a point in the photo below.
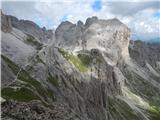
(111, 37)
(31, 28)
(27, 27)
(87, 73)
(19, 46)
(151, 50)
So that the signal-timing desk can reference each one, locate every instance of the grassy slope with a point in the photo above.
(53, 80)
(75, 60)
(119, 110)
(19, 94)
(32, 41)
(25, 77)
(148, 92)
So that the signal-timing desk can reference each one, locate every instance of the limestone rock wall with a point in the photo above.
(6, 25)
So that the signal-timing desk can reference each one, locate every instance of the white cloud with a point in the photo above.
(145, 25)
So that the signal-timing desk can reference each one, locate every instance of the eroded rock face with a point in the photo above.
(86, 93)
(110, 36)
(6, 25)
(68, 35)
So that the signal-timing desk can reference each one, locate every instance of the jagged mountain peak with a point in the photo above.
(80, 23)
(66, 23)
(27, 27)
(114, 21)
(91, 20)
(94, 19)
(109, 36)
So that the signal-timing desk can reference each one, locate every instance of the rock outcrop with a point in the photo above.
(35, 110)
(6, 25)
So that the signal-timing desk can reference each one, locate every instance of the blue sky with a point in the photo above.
(97, 5)
(142, 17)
(157, 14)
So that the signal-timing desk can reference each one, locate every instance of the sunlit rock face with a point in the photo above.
(110, 36)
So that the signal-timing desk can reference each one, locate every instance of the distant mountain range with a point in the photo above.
(155, 40)
(150, 40)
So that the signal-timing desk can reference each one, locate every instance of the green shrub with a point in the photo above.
(11, 64)
(86, 59)
(32, 41)
(24, 76)
(154, 113)
(121, 109)
(52, 80)
(19, 94)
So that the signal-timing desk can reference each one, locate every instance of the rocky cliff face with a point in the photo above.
(6, 25)
(109, 36)
(86, 74)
